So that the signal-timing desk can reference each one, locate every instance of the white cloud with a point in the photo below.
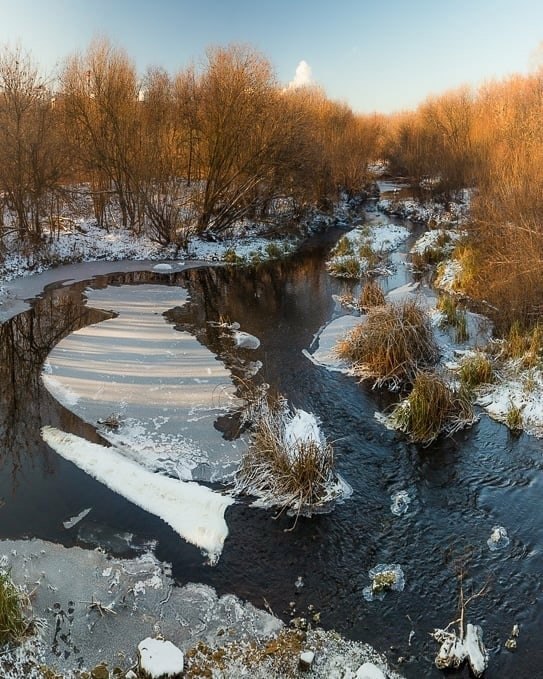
(303, 76)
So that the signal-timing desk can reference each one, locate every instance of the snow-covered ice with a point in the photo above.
(163, 387)
(327, 339)
(193, 511)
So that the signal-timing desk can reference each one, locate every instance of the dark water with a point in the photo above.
(462, 487)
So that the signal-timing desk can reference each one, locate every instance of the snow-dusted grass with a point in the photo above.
(432, 408)
(193, 511)
(455, 212)
(362, 250)
(288, 464)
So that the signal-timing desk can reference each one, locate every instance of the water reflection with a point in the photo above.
(25, 342)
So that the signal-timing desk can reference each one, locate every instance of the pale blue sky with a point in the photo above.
(382, 56)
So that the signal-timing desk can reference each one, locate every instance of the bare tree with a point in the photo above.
(30, 149)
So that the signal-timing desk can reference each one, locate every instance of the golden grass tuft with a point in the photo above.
(391, 345)
(371, 295)
(13, 624)
(432, 408)
(476, 369)
(290, 475)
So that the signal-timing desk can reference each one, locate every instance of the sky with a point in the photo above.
(376, 56)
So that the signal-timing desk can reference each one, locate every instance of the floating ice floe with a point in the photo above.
(193, 511)
(165, 387)
(385, 577)
(400, 502)
(244, 340)
(327, 339)
(70, 523)
(498, 539)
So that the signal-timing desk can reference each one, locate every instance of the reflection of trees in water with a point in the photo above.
(25, 342)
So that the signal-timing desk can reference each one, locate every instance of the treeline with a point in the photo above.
(175, 154)
(492, 140)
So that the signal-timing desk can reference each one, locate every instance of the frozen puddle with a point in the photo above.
(156, 391)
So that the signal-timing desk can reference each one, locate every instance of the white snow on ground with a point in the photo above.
(431, 240)
(455, 213)
(193, 511)
(447, 275)
(302, 427)
(164, 388)
(381, 237)
(517, 388)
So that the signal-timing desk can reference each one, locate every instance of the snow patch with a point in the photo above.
(160, 659)
(193, 511)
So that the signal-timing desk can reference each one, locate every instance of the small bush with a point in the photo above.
(475, 370)
(274, 251)
(13, 624)
(431, 408)
(230, 256)
(347, 267)
(391, 345)
(371, 295)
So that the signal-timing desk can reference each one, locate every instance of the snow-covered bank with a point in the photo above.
(138, 598)
(361, 251)
(454, 212)
(163, 388)
(193, 511)
(93, 609)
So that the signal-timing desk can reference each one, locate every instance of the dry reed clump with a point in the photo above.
(391, 345)
(432, 408)
(453, 316)
(13, 624)
(476, 369)
(282, 470)
(371, 295)
(523, 345)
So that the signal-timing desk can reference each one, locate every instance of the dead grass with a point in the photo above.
(475, 370)
(345, 267)
(13, 624)
(513, 418)
(371, 295)
(391, 345)
(432, 408)
(525, 345)
(292, 475)
(454, 316)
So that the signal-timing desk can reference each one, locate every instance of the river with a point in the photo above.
(461, 486)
